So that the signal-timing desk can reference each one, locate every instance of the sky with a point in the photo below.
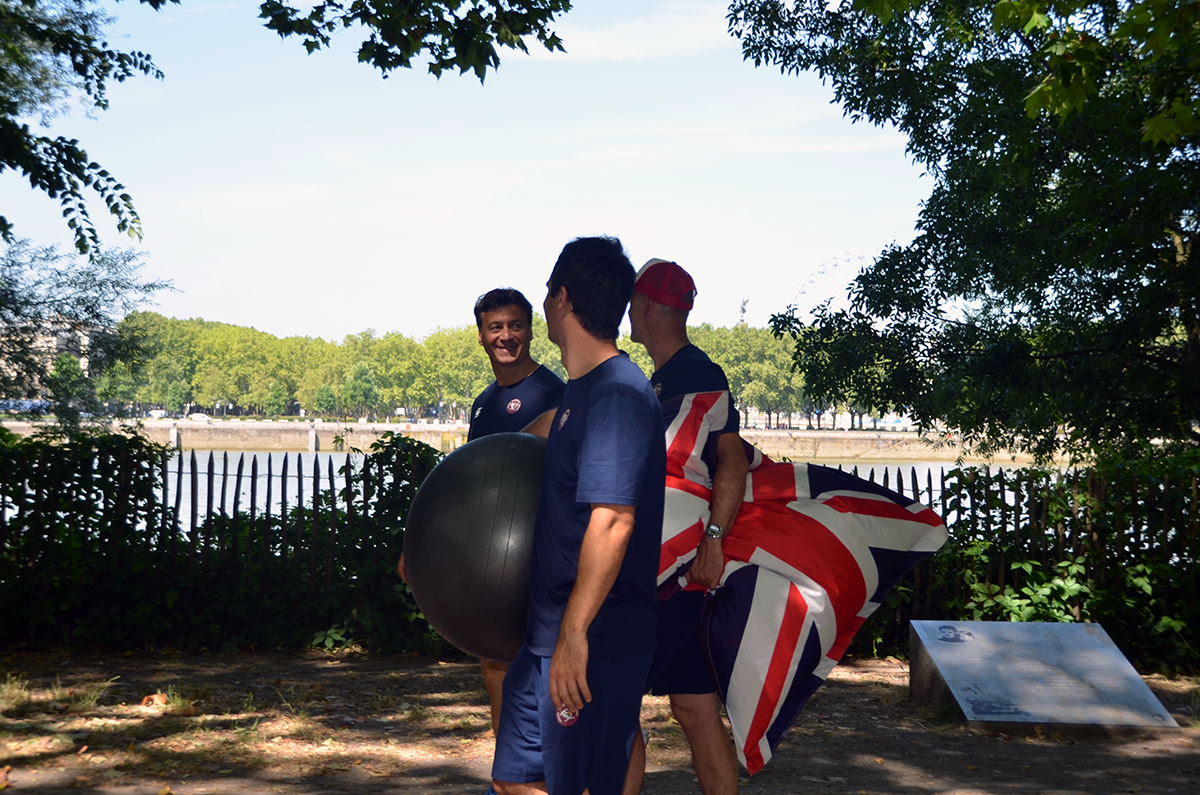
(304, 195)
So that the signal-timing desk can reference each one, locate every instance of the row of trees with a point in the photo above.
(206, 364)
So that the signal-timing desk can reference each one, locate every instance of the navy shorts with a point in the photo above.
(593, 753)
(679, 665)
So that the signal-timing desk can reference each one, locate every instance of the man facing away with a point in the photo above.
(572, 696)
(521, 399)
(663, 296)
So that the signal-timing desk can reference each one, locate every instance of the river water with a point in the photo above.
(266, 483)
(270, 490)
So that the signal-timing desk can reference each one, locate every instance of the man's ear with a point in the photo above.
(562, 299)
(480, 338)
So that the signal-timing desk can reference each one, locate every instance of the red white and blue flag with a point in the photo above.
(810, 557)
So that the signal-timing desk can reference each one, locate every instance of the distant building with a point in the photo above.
(29, 352)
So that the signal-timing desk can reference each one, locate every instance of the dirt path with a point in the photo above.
(311, 723)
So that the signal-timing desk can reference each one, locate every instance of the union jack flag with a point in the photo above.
(810, 557)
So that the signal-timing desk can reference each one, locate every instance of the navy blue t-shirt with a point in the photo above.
(510, 409)
(606, 445)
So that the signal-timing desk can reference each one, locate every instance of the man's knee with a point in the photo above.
(512, 788)
(696, 709)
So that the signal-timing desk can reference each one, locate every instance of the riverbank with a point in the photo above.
(235, 435)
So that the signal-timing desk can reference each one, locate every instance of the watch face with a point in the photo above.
(713, 531)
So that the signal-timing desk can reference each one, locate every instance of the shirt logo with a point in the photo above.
(658, 389)
(478, 411)
(514, 405)
(563, 419)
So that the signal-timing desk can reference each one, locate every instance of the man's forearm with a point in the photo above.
(729, 481)
(600, 556)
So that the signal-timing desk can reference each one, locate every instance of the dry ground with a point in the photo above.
(314, 723)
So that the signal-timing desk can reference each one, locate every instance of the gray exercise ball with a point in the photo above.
(469, 540)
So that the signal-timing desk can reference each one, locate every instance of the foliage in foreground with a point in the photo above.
(1117, 545)
(1054, 282)
(91, 558)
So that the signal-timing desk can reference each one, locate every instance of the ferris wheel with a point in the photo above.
(830, 281)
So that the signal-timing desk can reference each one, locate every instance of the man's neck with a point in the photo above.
(509, 374)
(582, 353)
(666, 346)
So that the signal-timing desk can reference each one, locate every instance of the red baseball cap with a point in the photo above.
(666, 283)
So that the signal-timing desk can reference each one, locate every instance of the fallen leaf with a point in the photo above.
(82, 748)
(165, 791)
(972, 767)
(4, 771)
(154, 699)
(379, 773)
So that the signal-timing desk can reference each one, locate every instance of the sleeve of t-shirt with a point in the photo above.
(717, 382)
(734, 420)
(616, 447)
(473, 424)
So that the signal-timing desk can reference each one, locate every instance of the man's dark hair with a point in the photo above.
(500, 298)
(599, 280)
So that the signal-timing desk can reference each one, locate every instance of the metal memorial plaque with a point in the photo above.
(1031, 673)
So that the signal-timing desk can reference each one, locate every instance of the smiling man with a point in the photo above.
(524, 395)
(522, 399)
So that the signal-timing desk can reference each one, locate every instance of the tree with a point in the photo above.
(359, 391)
(71, 392)
(52, 52)
(1051, 299)
(176, 398)
(324, 400)
(453, 370)
(277, 400)
(52, 304)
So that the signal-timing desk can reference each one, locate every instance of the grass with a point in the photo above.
(19, 699)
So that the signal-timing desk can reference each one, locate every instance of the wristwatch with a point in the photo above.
(714, 532)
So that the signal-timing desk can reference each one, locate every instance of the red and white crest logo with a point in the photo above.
(514, 405)
(563, 419)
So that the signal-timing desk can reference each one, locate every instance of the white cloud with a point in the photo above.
(683, 28)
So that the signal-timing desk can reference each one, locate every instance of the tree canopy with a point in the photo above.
(1076, 45)
(453, 34)
(212, 365)
(1051, 299)
(53, 52)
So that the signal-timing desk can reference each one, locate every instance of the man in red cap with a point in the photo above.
(710, 454)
